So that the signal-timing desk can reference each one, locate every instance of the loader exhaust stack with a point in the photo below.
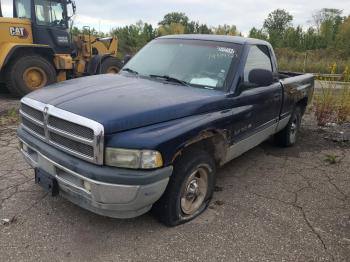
(0, 10)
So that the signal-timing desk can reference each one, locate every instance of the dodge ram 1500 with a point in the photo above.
(154, 135)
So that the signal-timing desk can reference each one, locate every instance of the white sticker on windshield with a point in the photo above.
(226, 50)
(204, 81)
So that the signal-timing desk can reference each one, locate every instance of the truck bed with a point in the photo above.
(287, 74)
(296, 87)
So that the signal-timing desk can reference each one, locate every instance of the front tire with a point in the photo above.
(289, 135)
(189, 190)
(29, 73)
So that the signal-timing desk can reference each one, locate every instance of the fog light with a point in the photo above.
(87, 186)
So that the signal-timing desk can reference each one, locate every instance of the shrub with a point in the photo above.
(343, 105)
(324, 105)
(333, 103)
(313, 61)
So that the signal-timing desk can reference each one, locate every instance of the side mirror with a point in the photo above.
(261, 77)
(74, 8)
(126, 59)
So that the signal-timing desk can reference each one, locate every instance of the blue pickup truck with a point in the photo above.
(153, 136)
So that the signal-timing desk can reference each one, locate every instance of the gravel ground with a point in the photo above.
(271, 204)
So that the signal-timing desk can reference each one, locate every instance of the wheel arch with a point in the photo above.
(20, 80)
(302, 103)
(212, 141)
(20, 50)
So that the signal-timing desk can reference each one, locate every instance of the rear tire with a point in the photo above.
(29, 73)
(111, 65)
(190, 189)
(289, 135)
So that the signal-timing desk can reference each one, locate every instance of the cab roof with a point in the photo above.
(218, 38)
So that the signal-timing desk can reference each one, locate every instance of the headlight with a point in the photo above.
(135, 159)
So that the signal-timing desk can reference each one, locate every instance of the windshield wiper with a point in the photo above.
(171, 79)
(130, 71)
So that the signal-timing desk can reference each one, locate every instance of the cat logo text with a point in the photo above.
(21, 32)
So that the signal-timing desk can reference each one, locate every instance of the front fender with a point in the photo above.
(172, 137)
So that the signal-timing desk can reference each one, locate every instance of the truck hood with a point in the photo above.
(121, 102)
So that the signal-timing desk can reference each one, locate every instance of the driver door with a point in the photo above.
(265, 100)
(262, 103)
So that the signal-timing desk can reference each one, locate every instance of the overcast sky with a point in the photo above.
(244, 14)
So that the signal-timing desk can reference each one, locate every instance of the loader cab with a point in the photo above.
(49, 22)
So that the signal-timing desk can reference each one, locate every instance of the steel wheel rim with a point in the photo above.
(35, 78)
(195, 191)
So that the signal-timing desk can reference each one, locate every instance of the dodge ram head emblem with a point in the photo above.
(46, 109)
(21, 32)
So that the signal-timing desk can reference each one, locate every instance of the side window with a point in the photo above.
(23, 9)
(49, 13)
(258, 58)
(42, 11)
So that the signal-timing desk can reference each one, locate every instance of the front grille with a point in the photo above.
(72, 145)
(34, 127)
(32, 112)
(70, 127)
(74, 134)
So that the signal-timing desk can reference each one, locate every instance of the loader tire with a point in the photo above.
(29, 73)
(111, 65)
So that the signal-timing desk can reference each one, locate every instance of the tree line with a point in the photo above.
(133, 37)
(329, 29)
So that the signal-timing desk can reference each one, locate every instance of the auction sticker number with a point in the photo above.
(226, 50)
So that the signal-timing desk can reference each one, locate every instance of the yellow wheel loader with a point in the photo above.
(36, 48)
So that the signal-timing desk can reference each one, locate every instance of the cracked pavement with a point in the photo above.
(271, 204)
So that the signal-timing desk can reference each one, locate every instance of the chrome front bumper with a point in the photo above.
(107, 199)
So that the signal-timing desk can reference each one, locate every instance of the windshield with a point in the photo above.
(193, 62)
(50, 13)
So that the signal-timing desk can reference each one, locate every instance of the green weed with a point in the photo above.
(331, 159)
(10, 117)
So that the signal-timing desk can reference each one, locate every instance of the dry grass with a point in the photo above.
(332, 105)
(315, 61)
(343, 105)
